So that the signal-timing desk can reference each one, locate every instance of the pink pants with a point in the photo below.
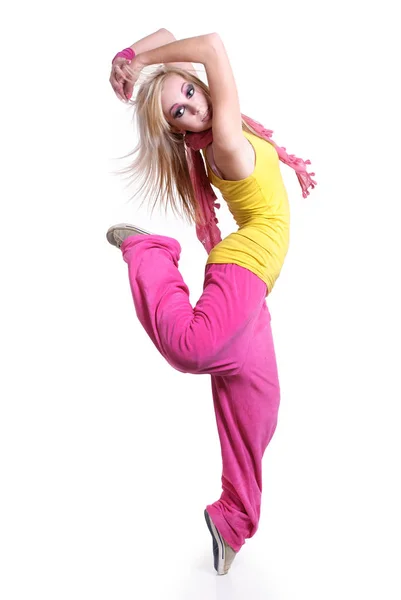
(228, 335)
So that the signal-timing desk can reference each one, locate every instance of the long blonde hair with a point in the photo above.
(161, 159)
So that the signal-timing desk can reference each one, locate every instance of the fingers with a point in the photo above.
(128, 89)
(119, 75)
(128, 85)
(118, 89)
(117, 86)
(126, 71)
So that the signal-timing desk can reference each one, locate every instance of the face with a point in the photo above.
(185, 105)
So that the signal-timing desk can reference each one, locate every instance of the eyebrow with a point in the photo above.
(182, 91)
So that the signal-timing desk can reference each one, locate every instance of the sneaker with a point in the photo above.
(118, 233)
(223, 553)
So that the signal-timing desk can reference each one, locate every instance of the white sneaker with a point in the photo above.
(118, 233)
(223, 554)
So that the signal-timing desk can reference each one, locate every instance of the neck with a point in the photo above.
(198, 140)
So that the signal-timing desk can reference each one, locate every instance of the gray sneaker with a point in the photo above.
(223, 553)
(118, 233)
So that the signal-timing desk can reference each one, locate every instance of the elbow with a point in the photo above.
(214, 46)
(215, 40)
(167, 34)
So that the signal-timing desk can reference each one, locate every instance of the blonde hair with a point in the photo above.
(161, 163)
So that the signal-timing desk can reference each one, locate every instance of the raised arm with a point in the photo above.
(208, 50)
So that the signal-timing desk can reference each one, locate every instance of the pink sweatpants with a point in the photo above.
(227, 335)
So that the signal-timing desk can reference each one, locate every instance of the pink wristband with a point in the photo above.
(127, 53)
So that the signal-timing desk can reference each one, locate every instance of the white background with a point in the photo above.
(109, 456)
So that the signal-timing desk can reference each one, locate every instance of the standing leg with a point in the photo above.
(246, 407)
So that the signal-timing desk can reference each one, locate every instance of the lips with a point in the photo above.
(206, 117)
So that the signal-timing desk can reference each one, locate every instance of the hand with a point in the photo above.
(131, 73)
(124, 74)
(118, 78)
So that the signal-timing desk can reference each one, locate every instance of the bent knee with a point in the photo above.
(201, 363)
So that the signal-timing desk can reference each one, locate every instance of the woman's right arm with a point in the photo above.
(233, 154)
(161, 37)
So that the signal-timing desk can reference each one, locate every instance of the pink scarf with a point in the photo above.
(206, 228)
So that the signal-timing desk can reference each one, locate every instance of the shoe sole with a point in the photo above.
(110, 236)
(219, 550)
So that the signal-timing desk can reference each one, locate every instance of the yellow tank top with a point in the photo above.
(259, 205)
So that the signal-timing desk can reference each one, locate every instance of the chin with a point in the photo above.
(207, 125)
(203, 127)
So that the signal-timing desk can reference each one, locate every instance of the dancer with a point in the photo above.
(228, 332)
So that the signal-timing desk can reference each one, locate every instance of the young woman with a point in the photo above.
(227, 334)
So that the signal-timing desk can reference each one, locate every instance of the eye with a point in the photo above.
(190, 92)
(178, 113)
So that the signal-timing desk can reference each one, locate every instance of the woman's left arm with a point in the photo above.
(160, 38)
(228, 139)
